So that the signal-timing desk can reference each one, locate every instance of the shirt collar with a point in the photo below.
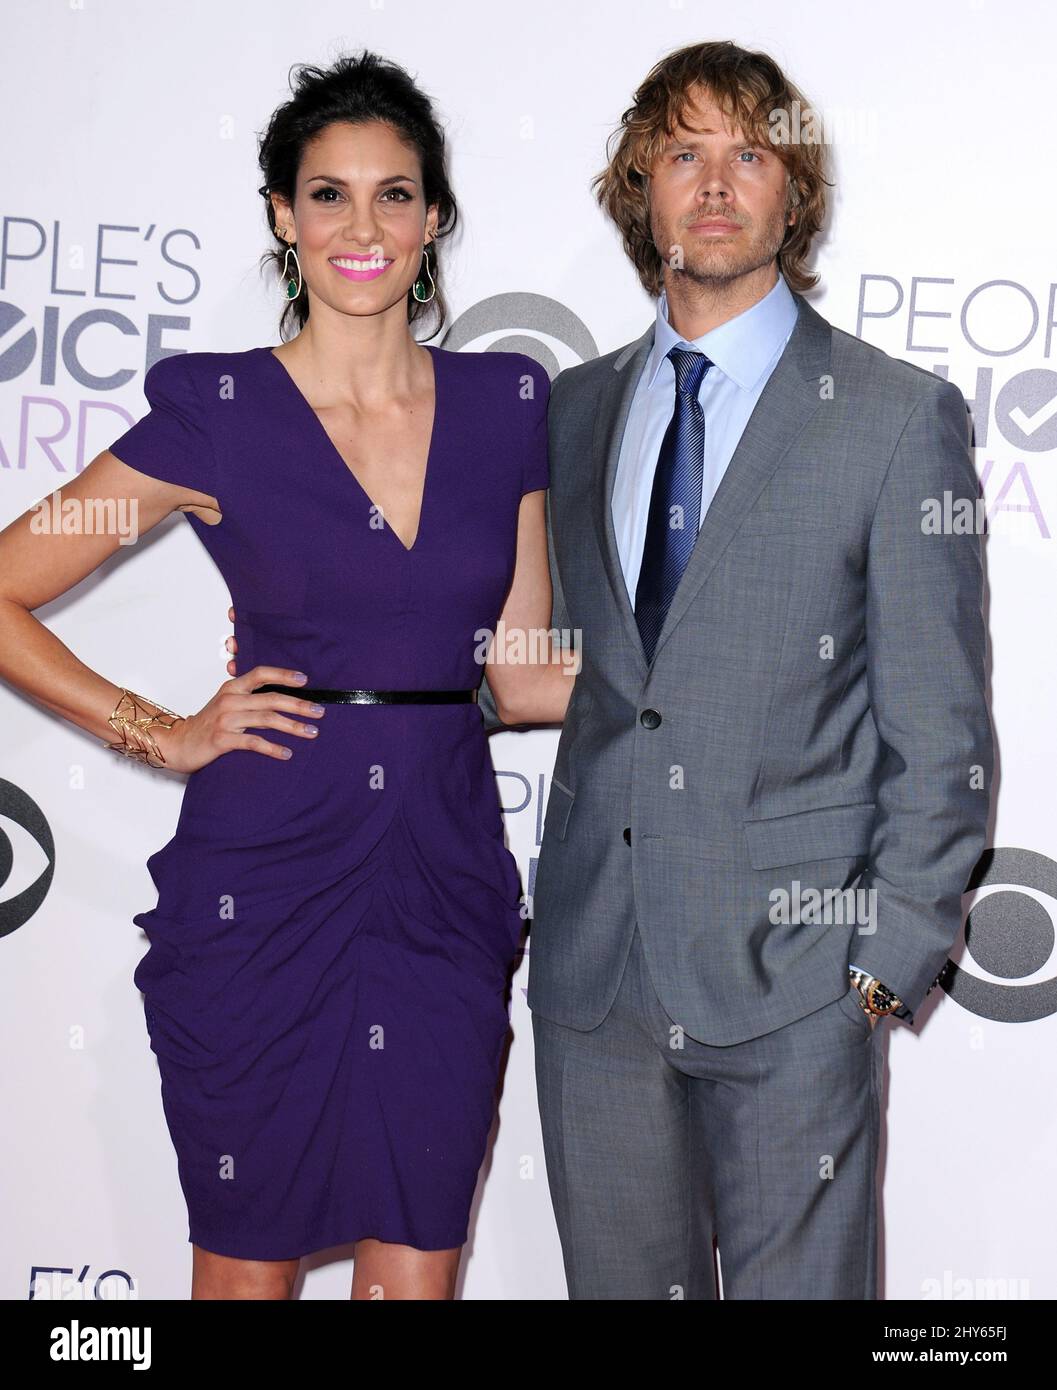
(741, 348)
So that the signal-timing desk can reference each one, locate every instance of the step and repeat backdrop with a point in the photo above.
(130, 225)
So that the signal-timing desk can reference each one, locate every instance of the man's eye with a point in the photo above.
(751, 153)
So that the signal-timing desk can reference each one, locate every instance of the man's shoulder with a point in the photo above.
(868, 370)
(583, 381)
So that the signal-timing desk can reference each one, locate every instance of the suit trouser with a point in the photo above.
(655, 1144)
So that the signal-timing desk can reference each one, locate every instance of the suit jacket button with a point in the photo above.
(627, 834)
(649, 719)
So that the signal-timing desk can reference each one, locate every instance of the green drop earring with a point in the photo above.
(293, 288)
(418, 289)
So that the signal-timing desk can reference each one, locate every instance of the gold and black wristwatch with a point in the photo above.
(877, 998)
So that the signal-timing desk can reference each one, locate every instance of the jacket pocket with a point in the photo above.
(827, 832)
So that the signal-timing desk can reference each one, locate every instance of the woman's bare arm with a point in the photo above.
(529, 674)
(39, 565)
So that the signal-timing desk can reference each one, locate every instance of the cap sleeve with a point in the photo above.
(535, 466)
(171, 443)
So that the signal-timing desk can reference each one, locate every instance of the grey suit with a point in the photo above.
(814, 715)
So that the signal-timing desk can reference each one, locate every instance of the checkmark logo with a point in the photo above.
(1030, 423)
(1026, 410)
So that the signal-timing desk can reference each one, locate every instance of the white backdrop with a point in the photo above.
(129, 210)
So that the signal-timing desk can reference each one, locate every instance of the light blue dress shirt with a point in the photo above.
(744, 352)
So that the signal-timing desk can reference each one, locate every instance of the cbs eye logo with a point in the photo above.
(521, 323)
(27, 857)
(1009, 934)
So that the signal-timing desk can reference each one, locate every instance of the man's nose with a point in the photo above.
(714, 182)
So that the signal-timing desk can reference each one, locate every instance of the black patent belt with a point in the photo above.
(371, 697)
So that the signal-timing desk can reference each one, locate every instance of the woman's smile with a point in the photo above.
(361, 267)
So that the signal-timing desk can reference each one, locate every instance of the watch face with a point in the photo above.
(880, 999)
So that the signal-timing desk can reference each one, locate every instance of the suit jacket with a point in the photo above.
(814, 718)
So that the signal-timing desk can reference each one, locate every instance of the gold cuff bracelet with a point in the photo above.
(132, 722)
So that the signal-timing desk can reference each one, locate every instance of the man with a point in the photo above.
(782, 705)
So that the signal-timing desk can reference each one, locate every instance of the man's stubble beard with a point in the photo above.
(711, 269)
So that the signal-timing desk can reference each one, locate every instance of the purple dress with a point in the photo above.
(325, 988)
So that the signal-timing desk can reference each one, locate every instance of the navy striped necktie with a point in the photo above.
(675, 503)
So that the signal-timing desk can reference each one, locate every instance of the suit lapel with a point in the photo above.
(610, 420)
(790, 397)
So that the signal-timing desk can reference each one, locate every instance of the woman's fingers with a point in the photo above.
(255, 744)
(235, 709)
(262, 717)
(266, 675)
(268, 710)
(293, 704)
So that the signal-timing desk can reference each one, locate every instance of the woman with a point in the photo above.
(325, 988)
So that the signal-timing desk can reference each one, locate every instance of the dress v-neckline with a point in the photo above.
(330, 445)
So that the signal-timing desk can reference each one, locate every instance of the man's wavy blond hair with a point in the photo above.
(749, 89)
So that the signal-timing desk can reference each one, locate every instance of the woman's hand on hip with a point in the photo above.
(226, 721)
